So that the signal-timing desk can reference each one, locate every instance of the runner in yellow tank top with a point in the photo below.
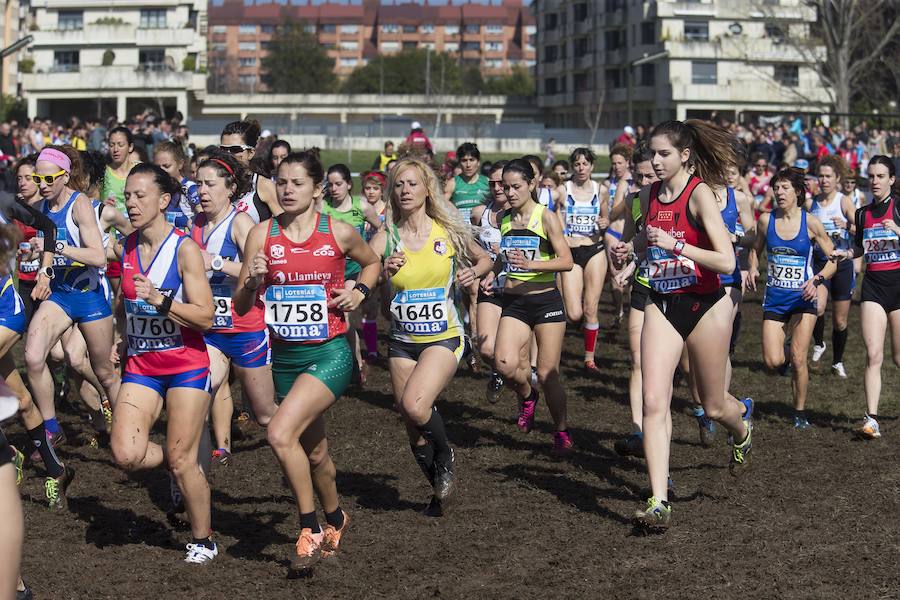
(427, 251)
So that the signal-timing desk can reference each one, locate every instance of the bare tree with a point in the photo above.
(593, 120)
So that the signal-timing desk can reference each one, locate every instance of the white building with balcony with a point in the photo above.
(115, 57)
(644, 62)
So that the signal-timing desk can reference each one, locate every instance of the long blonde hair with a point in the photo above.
(436, 206)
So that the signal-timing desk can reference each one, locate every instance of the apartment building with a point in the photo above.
(637, 61)
(115, 57)
(495, 35)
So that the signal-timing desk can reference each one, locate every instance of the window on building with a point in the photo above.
(614, 5)
(153, 59)
(247, 61)
(309, 27)
(581, 46)
(493, 46)
(581, 82)
(493, 29)
(265, 45)
(703, 72)
(329, 28)
(220, 29)
(613, 78)
(473, 28)
(66, 60)
(348, 63)
(349, 28)
(648, 75)
(247, 80)
(550, 85)
(471, 46)
(612, 40)
(410, 29)
(774, 31)
(390, 46)
(268, 29)
(427, 45)
(390, 28)
(410, 44)
(451, 29)
(550, 54)
(426, 28)
(218, 46)
(696, 31)
(580, 12)
(493, 63)
(648, 32)
(451, 46)
(247, 29)
(349, 45)
(68, 20)
(153, 18)
(551, 20)
(247, 46)
(787, 75)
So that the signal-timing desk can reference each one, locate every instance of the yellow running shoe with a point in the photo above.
(18, 463)
(657, 516)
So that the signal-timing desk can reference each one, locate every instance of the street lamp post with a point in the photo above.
(11, 49)
(628, 78)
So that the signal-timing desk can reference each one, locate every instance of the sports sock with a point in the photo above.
(839, 342)
(206, 542)
(819, 331)
(40, 437)
(424, 456)
(309, 521)
(590, 331)
(51, 425)
(370, 335)
(336, 518)
(434, 432)
(698, 411)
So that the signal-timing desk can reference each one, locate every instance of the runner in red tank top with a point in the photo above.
(167, 304)
(687, 245)
(878, 239)
(297, 268)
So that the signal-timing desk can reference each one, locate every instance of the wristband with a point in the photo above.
(678, 249)
(165, 306)
(364, 289)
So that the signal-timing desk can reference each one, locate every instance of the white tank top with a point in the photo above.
(581, 215)
(840, 236)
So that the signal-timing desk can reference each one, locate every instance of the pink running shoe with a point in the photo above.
(526, 412)
(562, 443)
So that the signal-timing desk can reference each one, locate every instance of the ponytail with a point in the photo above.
(711, 147)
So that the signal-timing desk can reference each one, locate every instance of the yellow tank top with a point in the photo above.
(532, 241)
(423, 309)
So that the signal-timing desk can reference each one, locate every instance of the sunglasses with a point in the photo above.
(48, 179)
(237, 149)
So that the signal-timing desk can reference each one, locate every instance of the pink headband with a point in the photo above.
(56, 157)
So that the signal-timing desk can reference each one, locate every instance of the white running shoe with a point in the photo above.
(199, 554)
(818, 351)
(838, 369)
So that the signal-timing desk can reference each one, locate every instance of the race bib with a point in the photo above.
(528, 244)
(881, 245)
(582, 220)
(149, 331)
(222, 317)
(668, 272)
(297, 313)
(420, 312)
(787, 271)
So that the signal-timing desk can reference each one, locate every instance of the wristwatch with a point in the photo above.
(47, 272)
(217, 263)
(364, 289)
(60, 246)
(818, 280)
(679, 248)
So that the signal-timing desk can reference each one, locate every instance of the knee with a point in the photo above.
(840, 322)
(506, 365)
(414, 408)
(654, 406)
(486, 349)
(180, 461)
(574, 314)
(106, 375)
(547, 375)
(715, 411)
(772, 361)
(35, 358)
(319, 455)
(280, 438)
(875, 356)
(25, 401)
(127, 456)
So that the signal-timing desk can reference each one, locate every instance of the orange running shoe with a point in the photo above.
(308, 550)
(333, 537)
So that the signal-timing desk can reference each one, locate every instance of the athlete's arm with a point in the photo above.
(849, 209)
(758, 245)
(372, 217)
(266, 189)
(563, 260)
(196, 311)
(33, 218)
(477, 213)
(240, 228)
(703, 204)
(91, 253)
(113, 218)
(619, 208)
(449, 188)
(352, 245)
(745, 212)
(816, 232)
(245, 297)
(481, 266)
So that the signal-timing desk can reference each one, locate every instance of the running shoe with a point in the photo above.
(707, 427)
(472, 361)
(18, 462)
(494, 387)
(363, 373)
(435, 509)
(869, 430)
(56, 440)
(526, 412)
(443, 476)
(838, 369)
(99, 439)
(308, 550)
(617, 321)
(801, 423)
(333, 537)
(633, 445)
(534, 377)
(223, 456)
(107, 414)
(562, 443)
(591, 367)
(740, 453)
(55, 488)
(245, 424)
(657, 516)
(748, 408)
(199, 554)
(817, 352)
(24, 593)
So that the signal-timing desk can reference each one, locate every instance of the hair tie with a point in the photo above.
(224, 164)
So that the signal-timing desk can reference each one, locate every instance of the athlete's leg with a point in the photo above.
(315, 443)
(773, 334)
(46, 327)
(572, 288)
(549, 341)
(257, 386)
(488, 316)
(594, 275)
(894, 321)
(222, 403)
(186, 410)
(12, 533)
(874, 326)
(98, 335)
(635, 326)
(137, 409)
(511, 355)
(433, 371)
(840, 312)
(799, 351)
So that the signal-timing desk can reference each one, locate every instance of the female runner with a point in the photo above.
(121, 145)
(585, 217)
(533, 250)
(687, 245)
(279, 150)
(791, 286)
(298, 270)
(487, 218)
(241, 340)
(170, 157)
(374, 183)
(619, 175)
(167, 304)
(340, 205)
(427, 251)
(239, 139)
(877, 239)
(78, 294)
(835, 211)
